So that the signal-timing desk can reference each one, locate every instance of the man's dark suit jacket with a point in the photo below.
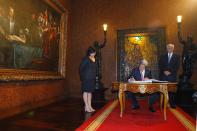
(137, 76)
(172, 67)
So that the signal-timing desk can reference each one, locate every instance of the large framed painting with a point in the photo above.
(137, 44)
(32, 40)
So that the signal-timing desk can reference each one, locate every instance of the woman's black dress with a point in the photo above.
(88, 75)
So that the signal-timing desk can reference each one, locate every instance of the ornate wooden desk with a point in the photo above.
(149, 88)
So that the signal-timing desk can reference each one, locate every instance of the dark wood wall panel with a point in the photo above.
(19, 97)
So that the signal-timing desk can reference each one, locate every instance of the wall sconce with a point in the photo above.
(105, 32)
(99, 86)
(105, 27)
(179, 20)
(189, 57)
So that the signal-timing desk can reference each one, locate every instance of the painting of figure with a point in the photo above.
(138, 47)
(29, 35)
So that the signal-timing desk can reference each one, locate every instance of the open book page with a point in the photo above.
(158, 81)
(147, 81)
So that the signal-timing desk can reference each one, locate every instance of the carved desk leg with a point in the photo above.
(124, 100)
(161, 101)
(164, 90)
(121, 99)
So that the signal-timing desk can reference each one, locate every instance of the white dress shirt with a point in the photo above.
(142, 74)
(169, 57)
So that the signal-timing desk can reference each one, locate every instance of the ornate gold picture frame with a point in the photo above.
(33, 39)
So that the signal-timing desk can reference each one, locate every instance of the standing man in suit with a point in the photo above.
(168, 65)
(141, 74)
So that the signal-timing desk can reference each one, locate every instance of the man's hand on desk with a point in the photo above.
(146, 78)
(167, 73)
(131, 79)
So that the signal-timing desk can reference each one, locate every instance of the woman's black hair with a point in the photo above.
(90, 51)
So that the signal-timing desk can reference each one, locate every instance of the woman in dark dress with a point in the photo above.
(88, 76)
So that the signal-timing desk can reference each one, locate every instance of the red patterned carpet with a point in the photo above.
(108, 119)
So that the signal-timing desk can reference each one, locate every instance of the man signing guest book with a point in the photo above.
(141, 74)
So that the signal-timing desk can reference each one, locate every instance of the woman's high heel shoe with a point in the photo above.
(92, 109)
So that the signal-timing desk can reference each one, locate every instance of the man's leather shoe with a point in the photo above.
(151, 109)
(135, 107)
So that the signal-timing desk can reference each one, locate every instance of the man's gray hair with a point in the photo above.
(144, 62)
(170, 45)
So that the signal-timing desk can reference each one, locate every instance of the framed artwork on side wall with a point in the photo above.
(32, 40)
